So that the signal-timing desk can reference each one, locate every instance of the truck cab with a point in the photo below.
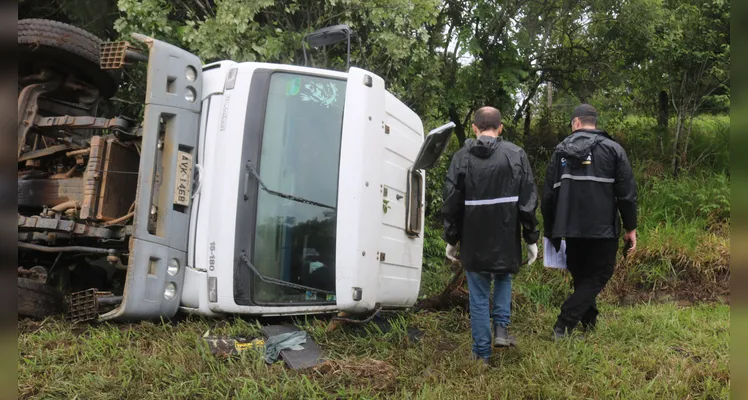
(305, 173)
(270, 189)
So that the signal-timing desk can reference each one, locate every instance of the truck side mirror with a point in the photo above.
(328, 36)
(433, 146)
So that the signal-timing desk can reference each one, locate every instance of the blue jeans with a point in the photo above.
(479, 285)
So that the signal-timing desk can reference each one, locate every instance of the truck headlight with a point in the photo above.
(173, 267)
(190, 74)
(189, 94)
(171, 291)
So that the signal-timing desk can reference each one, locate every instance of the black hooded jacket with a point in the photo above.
(588, 182)
(489, 194)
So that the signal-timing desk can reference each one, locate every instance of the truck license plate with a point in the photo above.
(183, 184)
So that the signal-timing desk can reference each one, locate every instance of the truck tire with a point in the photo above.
(64, 48)
(37, 300)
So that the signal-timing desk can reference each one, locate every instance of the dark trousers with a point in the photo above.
(591, 263)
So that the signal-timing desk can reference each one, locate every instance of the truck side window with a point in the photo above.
(413, 206)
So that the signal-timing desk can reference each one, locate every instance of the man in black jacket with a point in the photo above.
(588, 183)
(489, 196)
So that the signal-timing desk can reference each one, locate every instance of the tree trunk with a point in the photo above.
(676, 140)
(526, 103)
(528, 121)
(459, 126)
(687, 138)
(662, 120)
(550, 95)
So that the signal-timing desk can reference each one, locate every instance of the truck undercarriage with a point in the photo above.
(78, 173)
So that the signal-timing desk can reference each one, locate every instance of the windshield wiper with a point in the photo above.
(278, 282)
(264, 187)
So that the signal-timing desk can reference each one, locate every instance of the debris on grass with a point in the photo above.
(282, 342)
(225, 346)
(309, 356)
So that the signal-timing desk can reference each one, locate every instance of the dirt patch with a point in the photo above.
(690, 277)
(683, 294)
(367, 373)
(453, 296)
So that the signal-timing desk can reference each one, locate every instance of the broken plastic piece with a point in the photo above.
(225, 346)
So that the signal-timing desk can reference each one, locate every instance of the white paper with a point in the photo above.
(553, 258)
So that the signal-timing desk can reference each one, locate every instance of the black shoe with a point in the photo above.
(588, 327)
(560, 333)
(502, 338)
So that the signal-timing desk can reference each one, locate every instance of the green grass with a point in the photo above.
(645, 351)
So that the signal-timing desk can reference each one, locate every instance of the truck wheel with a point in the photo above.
(64, 48)
(38, 300)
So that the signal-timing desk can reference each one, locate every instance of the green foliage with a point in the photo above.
(433, 247)
(149, 17)
(704, 196)
(233, 34)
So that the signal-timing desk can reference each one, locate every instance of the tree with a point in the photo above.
(696, 63)
(390, 37)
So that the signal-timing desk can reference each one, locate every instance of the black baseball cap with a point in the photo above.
(583, 110)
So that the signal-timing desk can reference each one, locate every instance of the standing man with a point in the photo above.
(489, 196)
(588, 183)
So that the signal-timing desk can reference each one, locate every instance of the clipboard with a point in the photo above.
(553, 258)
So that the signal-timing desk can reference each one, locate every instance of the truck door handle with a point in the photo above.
(246, 186)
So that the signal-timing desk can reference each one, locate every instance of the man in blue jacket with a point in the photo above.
(490, 201)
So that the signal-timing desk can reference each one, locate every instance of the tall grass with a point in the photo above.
(702, 196)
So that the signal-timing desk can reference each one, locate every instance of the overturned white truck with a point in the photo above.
(248, 188)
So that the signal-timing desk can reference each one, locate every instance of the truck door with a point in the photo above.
(359, 200)
(357, 275)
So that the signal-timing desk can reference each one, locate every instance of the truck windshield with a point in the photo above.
(300, 156)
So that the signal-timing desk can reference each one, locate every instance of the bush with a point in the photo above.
(433, 247)
(683, 237)
(702, 196)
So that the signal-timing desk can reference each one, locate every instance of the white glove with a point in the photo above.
(532, 253)
(452, 253)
